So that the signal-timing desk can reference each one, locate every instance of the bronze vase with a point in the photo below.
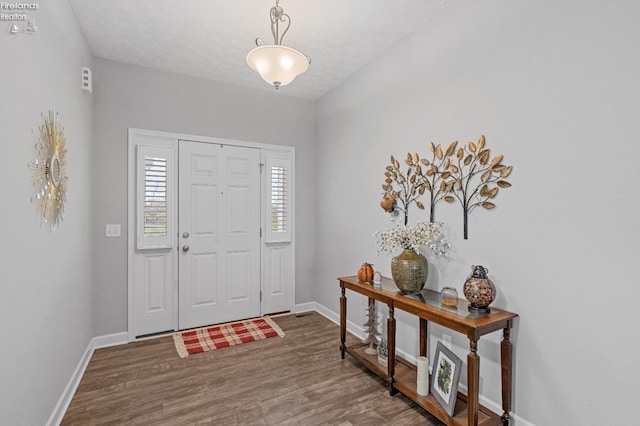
(410, 270)
(479, 290)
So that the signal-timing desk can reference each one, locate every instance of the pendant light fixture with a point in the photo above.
(277, 64)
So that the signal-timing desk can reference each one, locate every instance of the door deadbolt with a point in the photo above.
(185, 235)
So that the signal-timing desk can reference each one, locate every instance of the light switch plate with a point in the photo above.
(112, 230)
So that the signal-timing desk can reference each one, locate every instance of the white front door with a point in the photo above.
(218, 233)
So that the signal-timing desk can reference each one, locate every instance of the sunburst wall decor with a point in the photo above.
(49, 167)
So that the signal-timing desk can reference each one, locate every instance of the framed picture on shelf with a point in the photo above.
(445, 376)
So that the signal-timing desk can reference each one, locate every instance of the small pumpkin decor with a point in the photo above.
(365, 273)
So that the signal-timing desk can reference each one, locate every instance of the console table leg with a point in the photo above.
(473, 378)
(343, 322)
(423, 337)
(505, 359)
(391, 348)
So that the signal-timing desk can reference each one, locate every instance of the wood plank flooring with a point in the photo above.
(295, 380)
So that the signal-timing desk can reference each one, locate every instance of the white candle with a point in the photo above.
(422, 384)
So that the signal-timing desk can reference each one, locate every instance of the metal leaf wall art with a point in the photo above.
(464, 173)
(403, 189)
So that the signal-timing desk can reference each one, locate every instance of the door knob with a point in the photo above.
(185, 248)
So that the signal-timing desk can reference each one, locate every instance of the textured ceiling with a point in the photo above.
(211, 38)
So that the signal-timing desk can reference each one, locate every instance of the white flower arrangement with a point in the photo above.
(430, 234)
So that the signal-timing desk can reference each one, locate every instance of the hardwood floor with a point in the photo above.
(295, 380)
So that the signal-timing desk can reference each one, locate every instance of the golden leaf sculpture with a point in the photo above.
(466, 173)
(474, 162)
(401, 189)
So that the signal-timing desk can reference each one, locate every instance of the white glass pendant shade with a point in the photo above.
(277, 65)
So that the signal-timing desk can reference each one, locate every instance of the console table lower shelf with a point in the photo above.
(400, 375)
(404, 381)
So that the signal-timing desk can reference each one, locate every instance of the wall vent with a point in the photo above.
(87, 84)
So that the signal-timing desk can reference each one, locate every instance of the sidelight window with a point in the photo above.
(279, 197)
(153, 197)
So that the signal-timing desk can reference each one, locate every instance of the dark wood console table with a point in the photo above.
(400, 374)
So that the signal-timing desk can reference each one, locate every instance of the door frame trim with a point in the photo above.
(134, 135)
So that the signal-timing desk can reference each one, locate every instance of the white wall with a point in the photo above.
(45, 277)
(555, 87)
(128, 96)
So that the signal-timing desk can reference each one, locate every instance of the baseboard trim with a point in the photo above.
(109, 340)
(67, 395)
(352, 327)
(304, 307)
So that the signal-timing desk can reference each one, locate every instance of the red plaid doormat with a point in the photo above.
(220, 336)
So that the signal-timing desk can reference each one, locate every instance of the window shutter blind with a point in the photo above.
(278, 226)
(279, 202)
(154, 197)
